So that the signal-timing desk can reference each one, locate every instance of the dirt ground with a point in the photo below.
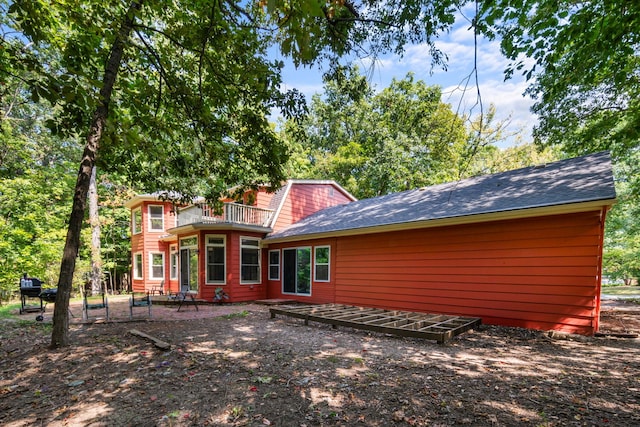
(235, 366)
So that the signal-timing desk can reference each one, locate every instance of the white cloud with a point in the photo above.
(461, 56)
(507, 97)
(308, 89)
(458, 45)
(462, 32)
(459, 80)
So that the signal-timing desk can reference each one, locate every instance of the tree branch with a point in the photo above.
(162, 33)
(184, 101)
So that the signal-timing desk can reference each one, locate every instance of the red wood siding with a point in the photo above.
(171, 285)
(305, 199)
(237, 292)
(263, 199)
(540, 273)
(241, 292)
(321, 292)
(147, 242)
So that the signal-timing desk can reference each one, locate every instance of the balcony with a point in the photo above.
(232, 213)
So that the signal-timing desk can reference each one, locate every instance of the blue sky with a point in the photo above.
(458, 45)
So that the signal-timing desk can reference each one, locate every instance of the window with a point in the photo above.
(156, 265)
(189, 242)
(321, 263)
(274, 265)
(156, 218)
(173, 262)
(215, 259)
(136, 221)
(249, 260)
(137, 265)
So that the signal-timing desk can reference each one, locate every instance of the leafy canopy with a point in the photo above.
(377, 143)
(190, 105)
(195, 87)
(583, 64)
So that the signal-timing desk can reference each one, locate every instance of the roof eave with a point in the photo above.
(220, 226)
(170, 238)
(458, 220)
(139, 199)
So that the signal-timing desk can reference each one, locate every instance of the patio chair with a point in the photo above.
(101, 304)
(159, 288)
(139, 301)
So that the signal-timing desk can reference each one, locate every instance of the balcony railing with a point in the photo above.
(232, 213)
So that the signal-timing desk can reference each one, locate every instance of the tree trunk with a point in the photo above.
(60, 333)
(94, 220)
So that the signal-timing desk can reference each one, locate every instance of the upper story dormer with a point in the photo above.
(298, 199)
(150, 214)
(260, 208)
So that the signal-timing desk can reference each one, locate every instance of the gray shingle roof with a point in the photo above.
(583, 179)
(277, 197)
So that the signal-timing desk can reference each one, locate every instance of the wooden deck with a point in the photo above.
(437, 327)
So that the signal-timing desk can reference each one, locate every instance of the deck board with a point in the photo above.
(437, 327)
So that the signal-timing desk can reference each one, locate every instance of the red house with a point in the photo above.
(193, 249)
(520, 248)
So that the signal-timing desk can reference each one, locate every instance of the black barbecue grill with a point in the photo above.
(49, 295)
(31, 288)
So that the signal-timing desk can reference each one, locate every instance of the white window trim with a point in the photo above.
(251, 282)
(271, 265)
(174, 256)
(151, 277)
(149, 222)
(328, 264)
(224, 247)
(133, 221)
(138, 273)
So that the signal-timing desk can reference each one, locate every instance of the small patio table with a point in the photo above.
(188, 297)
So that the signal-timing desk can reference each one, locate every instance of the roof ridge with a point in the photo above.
(569, 181)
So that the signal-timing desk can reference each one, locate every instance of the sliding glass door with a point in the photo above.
(296, 271)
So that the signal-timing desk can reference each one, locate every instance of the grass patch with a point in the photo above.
(622, 290)
(358, 361)
(243, 313)
(7, 311)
